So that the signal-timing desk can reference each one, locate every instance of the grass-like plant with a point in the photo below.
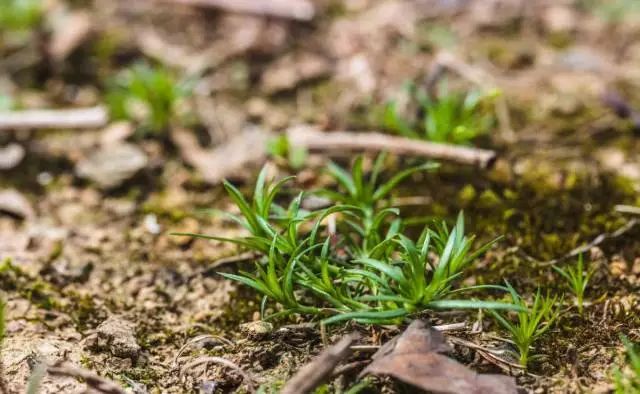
(344, 275)
(628, 381)
(532, 322)
(147, 95)
(577, 280)
(451, 117)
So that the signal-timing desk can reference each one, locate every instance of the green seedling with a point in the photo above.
(341, 274)
(20, 15)
(531, 323)
(148, 95)
(369, 196)
(628, 382)
(577, 279)
(279, 147)
(267, 222)
(455, 118)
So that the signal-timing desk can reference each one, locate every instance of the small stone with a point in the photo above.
(151, 224)
(110, 167)
(117, 336)
(10, 156)
(16, 204)
(256, 329)
(617, 266)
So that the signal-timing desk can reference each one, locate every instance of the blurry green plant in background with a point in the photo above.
(450, 117)
(147, 95)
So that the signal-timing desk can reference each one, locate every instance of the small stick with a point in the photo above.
(94, 381)
(627, 209)
(596, 241)
(81, 118)
(313, 374)
(290, 9)
(315, 140)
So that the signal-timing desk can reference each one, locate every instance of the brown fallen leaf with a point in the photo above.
(414, 358)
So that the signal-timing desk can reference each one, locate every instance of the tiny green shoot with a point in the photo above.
(532, 322)
(577, 279)
(627, 381)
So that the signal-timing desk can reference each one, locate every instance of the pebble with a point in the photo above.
(117, 336)
(110, 167)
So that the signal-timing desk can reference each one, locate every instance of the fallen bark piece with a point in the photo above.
(291, 9)
(10, 156)
(231, 159)
(320, 368)
(414, 358)
(15, 204)
(315, 140)
(80, 118)
(111, 166)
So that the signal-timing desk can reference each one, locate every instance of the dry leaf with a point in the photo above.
(414, 358)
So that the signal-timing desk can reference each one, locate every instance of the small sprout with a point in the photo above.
(532, 322)
(147, 95)
(451, 117)
(280, 148)
(577, 279)
(627, 381)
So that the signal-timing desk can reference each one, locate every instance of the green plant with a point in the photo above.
(451, 117)
(20, 15)
(369, 197)
(345, 275)
(279, 147)
(146, 94)
(531, 322)
(628, 382)
(577, 279)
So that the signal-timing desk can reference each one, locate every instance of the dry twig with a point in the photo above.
(320, 368)
(595, 242)
(315, 140)
(291, 9)
(94, 381)
(81, 118)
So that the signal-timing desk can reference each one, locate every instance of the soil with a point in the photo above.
(95, 278)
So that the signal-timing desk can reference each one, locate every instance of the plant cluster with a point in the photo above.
(351, 261)
(451, 117)
(146, 94)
